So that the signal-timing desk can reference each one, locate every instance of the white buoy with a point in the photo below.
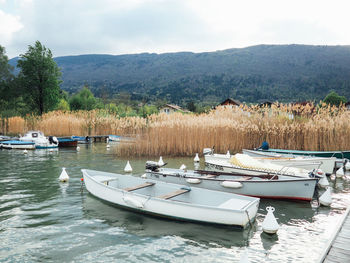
(160, 162)
(228, 154)
(64, 176)
(340, 172)
(107, 140)
(144, 176)
(244, 257)
(270, 225)
(128, 168)
(193, 180)
(196, 158)
(230, 184)
(183, 167)
(51, 150)
(323, 182)
(107, 146)
(347, 165)
(326, 198)
(78, 148)
(25, 152)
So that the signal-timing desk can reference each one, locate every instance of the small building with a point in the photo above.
(229, 103)
(171, 108)
(347, 105)
(265, 103)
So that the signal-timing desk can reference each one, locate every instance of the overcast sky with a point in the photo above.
(73, 27)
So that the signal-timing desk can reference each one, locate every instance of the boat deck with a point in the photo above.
(338, 248)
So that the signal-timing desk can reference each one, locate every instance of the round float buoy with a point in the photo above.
(144, 176)
(323, 182)
(78, 148)
(228, 154)
(108, 146)
(183, 167)
(230, 184)
(193, 180)
(270, 225)
(196, 158)
(340, 172)
(326, 198)
(160, 162)
(133, 202)
(347, 165)
(128, 168)
(64, 176)
(25, 152)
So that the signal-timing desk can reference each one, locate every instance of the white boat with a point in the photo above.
(171, 200)
(326, 164)
(117, 138)
(15, 144)
(242, 163)
(41, 142)
(262, 186)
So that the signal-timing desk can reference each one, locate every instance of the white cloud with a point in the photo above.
(9, 25)
(133, 26)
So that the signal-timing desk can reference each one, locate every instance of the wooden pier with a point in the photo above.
(338, 247)
(99, 138)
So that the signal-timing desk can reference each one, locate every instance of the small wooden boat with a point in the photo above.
(337, 154)
(326, 164)
(67, 142)
(259, 185)
(244, 164)
(171, 200)
(82, 139)
(15, 144)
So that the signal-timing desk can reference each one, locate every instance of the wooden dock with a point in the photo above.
(338, 247)
(99, 138)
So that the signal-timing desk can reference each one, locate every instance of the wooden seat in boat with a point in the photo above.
(133, 188)
(173, 194)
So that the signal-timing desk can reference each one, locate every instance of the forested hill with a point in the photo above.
(264, 72)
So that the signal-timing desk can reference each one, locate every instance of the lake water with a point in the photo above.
(43, 220)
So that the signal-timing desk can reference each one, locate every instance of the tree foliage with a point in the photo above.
(334, 99)
(83, 100)
(39, 76)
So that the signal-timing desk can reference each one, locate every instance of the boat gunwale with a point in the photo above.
(249, 202)
(254, 170)
(241, 180)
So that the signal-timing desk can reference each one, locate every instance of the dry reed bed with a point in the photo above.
(186, 134)
(235, 129)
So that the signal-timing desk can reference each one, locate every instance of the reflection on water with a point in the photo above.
(141, 225)
(43, 220)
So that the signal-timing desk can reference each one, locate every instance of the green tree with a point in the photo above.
(191, 106)
(63, 105)
(39, 77)
(334, 99)
(83, 100)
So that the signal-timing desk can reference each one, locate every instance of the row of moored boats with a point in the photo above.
(228, 193)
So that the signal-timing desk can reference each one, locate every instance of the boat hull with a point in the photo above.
(283, 189)
(326, 164)
(177, 208)
(67, 142)
(337, 154)
(19, 145)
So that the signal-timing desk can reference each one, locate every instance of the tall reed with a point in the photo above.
(283, 126)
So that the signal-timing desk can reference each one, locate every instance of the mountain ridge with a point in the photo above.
(273, 72)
